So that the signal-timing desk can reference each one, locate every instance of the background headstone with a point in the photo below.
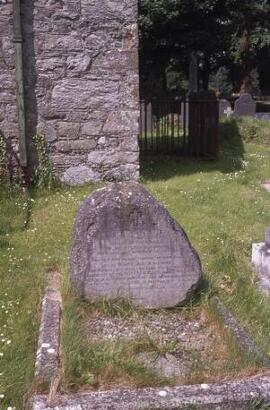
(245, 106)
(184, 113)
(146, 118)
(127, 245)
(224, 107)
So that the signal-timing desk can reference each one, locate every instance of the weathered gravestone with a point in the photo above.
(127, 245)
(146, 118)
(245, 106)
(225, 108)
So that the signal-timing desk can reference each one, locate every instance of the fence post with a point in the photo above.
(203, 125)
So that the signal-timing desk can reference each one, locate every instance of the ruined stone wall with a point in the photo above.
(81, 85)
(8, 102)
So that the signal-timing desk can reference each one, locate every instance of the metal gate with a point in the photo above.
(180, 125)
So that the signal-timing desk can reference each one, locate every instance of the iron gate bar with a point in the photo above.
(180, 125)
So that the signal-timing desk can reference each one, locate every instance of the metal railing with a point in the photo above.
(164, 125)
(179, 125)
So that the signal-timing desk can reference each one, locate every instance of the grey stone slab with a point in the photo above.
(245, 106)
(234, 395)
(48, 353)
(261, 263)
(244, 341)
(167, 365)
(224, 108)
(267, 237)
(127, 245)
(80, 175)
(266, 186)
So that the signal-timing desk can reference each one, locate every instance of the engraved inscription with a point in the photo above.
(136, 266)
(127, 245)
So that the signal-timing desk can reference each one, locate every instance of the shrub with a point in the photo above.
(249, 129)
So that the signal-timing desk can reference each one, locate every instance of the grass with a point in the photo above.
(98, 364)
(222, 207)
(26, 256)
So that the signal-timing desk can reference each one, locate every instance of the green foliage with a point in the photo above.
(176, 82)
(221, 83)
(231, 33)
(249, 129)
(3, 152)
(43, 176)
(255, 81)
(259, 404)
(111, 308)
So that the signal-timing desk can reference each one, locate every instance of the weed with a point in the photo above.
(43, 176)
(3, 152)
(259, 404)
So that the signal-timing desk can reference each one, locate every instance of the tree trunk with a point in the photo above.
(205, 74)
(245, 49)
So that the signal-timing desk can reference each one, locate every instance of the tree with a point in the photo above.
(230, 33)
(171, 29)
(250, 34)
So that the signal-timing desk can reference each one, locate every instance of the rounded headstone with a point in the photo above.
(126, 245)
(245, 106)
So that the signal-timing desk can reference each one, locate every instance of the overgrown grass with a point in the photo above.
(98, 364)
(220, 204)
(249, 129)
(26, 255)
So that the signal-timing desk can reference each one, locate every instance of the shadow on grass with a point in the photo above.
(157, 167)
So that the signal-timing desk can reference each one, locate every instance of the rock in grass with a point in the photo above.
(126, 245)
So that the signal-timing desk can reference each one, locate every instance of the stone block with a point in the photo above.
(107, 158)
(77, 93)
(68, 130)
(80, 175)
(127, 245)
(78, 64)
(123, 172)
(120, 121)
(76, 146)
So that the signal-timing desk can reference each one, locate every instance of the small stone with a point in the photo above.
(51, 351)
(204, 386)
(162, 393)
(45, 345)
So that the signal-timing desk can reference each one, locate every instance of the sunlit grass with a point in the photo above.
(221, 205)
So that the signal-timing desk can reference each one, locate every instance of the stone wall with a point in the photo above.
(81, 85)
(8, 104)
